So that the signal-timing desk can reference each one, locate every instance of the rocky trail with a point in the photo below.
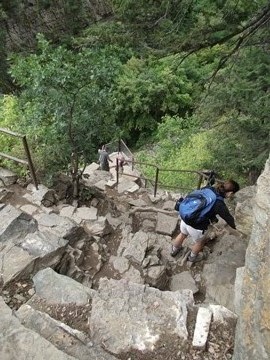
(95, 280)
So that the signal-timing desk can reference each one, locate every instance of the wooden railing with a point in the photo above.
(27, 162)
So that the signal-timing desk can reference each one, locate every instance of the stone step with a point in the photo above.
(20, 342)
(66, 339)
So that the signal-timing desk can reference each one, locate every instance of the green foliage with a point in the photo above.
(115, 33)
(125, 76)
(177, 147)
(237, 108)
(10, 117)
(66, 101)
(149, 89)
(165, 26)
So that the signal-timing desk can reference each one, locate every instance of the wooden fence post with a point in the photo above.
(156, 181)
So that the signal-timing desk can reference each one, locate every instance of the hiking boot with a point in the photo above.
(176, 250)
(194, 259)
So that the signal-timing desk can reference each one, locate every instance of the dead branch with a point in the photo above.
(152, 209)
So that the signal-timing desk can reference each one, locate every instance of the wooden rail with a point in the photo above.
(27, 162)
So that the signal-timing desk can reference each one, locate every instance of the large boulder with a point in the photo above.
(253, 327)
(128, 316)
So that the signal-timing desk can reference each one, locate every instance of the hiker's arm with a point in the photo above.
(222, 210)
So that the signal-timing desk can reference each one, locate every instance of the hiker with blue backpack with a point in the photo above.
(198, 210)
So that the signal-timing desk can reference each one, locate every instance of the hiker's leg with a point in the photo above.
(198, 246)
(182, 236)
(199, 239)
(178, 241)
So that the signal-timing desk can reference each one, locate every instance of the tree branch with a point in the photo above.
(239, 42)
(261, 19)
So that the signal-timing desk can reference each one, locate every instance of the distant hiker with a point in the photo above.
(121, 162)
(210, 177)
(104, 158)
(211, 203)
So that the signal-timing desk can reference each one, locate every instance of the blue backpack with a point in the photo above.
(196, 206)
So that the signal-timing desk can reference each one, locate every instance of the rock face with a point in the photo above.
(52, 17)
(253, 328)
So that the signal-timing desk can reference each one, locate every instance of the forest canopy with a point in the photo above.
(185, 83)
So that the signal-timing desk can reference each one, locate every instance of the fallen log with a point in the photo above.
(152, 209)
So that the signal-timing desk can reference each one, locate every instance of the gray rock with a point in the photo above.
(126, 185)
(29, 209)
(244, 210)
(120, 264)
(222, 315)
(15, 262)
(15, 223)
(238, 289)
(137, 202)
(98, 227)
(60, 226)
(66, 339)
(60, 289)
(168, 205)
(220, 271)
(5, 194)
(7, 177)
(85, 213)
(18, 342)
(133, 275)
(156, 276)
(136, 247)
(128, 316)
(252, 333)
(202, 326)
(90, 168)
(31, 253)
(41, 196)
(183, 280)
(166, 224)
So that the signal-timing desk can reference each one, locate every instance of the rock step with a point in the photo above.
(19, 342)
(70, 341)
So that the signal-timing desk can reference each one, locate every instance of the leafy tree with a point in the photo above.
(174, 26)
(237, 108)
(66, 102)
(147, 90)
(193, 64)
